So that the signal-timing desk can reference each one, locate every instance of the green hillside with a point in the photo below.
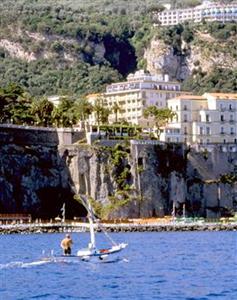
(64, 43)
(78, 47)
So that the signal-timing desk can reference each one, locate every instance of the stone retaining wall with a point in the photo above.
(53, 228)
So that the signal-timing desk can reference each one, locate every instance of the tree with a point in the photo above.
(116, 110)
(161, 116)
(82, 109)
(101, 112)
(64, 115)
(42, 112)
(15, 105)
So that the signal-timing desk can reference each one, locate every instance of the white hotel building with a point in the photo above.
(207, 119)
(134, 95)
(209, 12)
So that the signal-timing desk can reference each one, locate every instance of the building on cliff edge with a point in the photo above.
(207, 119)
(209, 12)
(134, 95)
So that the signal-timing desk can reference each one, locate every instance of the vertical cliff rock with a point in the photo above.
(137, 179)
(155, 178)
(203, 53)
(34, 179)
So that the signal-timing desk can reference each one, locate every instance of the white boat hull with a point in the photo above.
(102, 254)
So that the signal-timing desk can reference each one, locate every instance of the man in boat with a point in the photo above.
(66, 245)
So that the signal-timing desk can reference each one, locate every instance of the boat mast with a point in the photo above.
(91, 219)
(63, 213)
(184, 211)
(173, 211)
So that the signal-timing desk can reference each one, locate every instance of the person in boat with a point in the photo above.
(66, 245)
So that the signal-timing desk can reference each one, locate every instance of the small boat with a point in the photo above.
(92, 251)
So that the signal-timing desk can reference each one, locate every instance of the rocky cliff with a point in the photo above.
(133, 180)
(203, 54)
(146, 180)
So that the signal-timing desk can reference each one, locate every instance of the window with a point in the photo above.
(185, 130)
(208, 131)
(222, 130)
(177, 108)
(185, 107)
(231, 118)
(222, 107)
(201, 130)
(207, 118)
(231, 130)
(222, 118)
(185, 118)
(230, 107)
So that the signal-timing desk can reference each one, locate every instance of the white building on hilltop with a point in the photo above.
(134, 95)
(207, 119)
(207, 11)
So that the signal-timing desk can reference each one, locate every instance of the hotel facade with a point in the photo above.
(208, 12)
(134, 95)
(207, 119)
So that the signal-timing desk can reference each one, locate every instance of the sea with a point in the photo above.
(155, 265)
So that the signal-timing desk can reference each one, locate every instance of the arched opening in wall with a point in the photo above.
(51, 202)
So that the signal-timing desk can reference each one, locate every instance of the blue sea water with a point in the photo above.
(167, 266)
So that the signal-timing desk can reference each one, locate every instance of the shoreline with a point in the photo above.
(121, 227)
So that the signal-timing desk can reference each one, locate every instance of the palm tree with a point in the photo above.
(161, 116)
(42, 111)
(101, 112)
(82, 110)
(64, 114)
(116, 109)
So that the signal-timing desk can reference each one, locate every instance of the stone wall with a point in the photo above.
(29, 135)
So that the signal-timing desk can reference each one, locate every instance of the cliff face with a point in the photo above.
(137, 180)
(35, 179)
(204, 53)
(158, 177)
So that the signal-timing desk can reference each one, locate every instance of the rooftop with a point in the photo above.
(223, 95)
(189, 97)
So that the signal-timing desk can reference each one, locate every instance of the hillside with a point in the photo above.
(77, 47)
(65, 46)
(203, 56)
